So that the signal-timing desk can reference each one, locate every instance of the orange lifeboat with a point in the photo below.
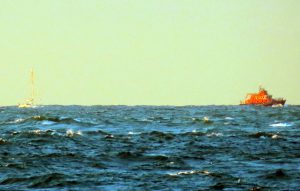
(262, 98)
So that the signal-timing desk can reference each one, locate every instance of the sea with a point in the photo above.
(150, 148)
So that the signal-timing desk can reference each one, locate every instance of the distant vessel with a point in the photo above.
(262, 98)
(29, 103)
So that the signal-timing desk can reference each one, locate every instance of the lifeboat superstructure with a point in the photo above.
(262, 98)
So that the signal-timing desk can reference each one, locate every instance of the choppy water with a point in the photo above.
(150, 148)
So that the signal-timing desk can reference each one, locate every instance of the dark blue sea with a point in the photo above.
(150, 148)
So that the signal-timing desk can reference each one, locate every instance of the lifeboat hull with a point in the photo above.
(273, 103)
(276, 102)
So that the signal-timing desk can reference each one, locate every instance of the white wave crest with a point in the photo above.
(19, 120)
(71, 133)
(133, 133)
(37, 131)
(281, 125)
(275, 136)
(190, 172)
(215, 134)
(48, 122)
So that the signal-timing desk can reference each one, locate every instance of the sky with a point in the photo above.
(149, 52)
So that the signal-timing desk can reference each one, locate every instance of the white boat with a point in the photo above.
(29, 103)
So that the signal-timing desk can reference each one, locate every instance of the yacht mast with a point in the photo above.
(32, 85)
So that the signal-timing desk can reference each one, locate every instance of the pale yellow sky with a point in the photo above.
(157, 52)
